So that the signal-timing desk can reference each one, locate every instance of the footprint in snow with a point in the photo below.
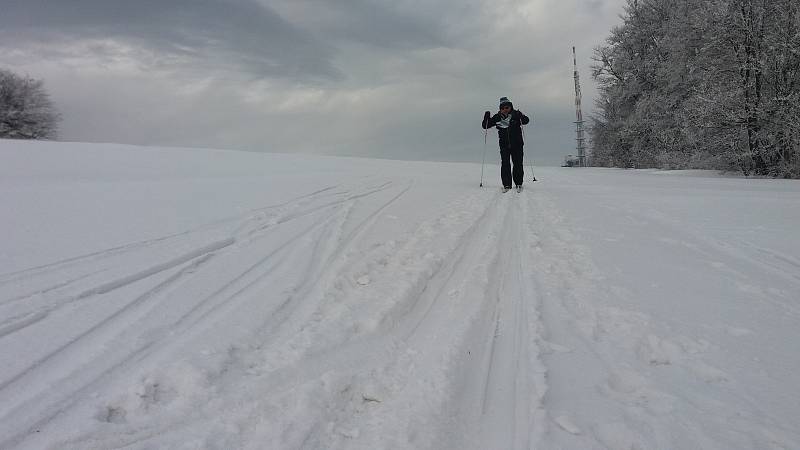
(566, 423)
(737, 332)
(552, 347)
(708, 373)
(619, 435)
(626, 381)
(113, 414)
(659, 352)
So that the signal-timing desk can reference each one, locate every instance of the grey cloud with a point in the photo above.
(379, 23)
(393, 25)
(233, 33)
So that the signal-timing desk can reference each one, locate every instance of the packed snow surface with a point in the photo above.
(176, 298)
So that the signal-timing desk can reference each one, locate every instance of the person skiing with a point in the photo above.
(509, 131)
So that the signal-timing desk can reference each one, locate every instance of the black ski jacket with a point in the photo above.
(510, 137)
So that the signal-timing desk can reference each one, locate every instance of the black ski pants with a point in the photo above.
(507, 156)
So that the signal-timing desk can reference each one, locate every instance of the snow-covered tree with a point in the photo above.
(701, 83)
(26, 111)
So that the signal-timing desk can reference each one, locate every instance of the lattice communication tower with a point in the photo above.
(581, 140)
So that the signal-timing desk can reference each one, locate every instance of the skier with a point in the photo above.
(509, 131)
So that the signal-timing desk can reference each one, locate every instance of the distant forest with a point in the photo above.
(712, 84)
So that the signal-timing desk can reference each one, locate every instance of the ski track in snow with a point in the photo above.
(34, 369)
(486, 326)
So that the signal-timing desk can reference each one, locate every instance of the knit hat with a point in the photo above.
(505, 101)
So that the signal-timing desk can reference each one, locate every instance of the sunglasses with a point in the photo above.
(505, 107)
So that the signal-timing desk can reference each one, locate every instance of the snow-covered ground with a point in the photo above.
(174, 298)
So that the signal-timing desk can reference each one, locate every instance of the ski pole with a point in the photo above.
(485, 137)
(530, 160)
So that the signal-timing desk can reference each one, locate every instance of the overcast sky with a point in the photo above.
(404, 79)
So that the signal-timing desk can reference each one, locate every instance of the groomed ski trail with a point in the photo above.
(499, 400)
(475, 336)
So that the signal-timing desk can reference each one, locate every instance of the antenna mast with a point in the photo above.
(581, 141)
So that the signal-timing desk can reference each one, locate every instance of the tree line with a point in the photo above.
(26, 111)
(711, 84)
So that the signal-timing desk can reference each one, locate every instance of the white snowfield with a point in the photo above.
(183, 299)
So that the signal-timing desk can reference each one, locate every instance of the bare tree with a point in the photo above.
(26, 111)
